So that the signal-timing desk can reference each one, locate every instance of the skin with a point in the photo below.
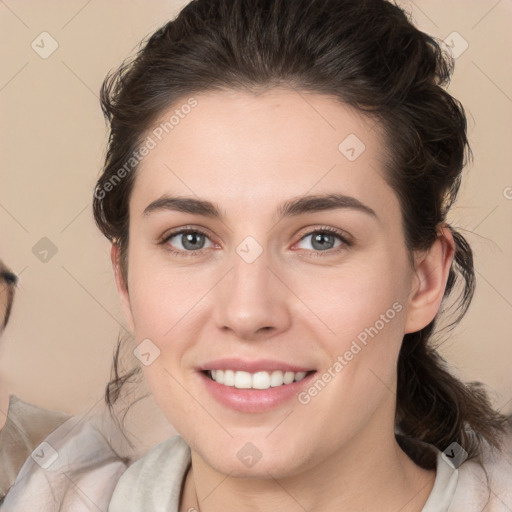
(249, 154)
(4, 392)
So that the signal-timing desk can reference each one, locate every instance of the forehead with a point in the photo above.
(252, 149)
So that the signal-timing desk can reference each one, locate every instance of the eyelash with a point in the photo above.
(316, 254)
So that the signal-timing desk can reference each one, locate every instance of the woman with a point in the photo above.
(276, 189)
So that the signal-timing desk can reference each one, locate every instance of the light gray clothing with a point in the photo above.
(26, 426)
(75, 469)
(154, 483)
(81, 471)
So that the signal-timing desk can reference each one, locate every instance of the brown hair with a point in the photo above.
(364, 53)
(8, 280)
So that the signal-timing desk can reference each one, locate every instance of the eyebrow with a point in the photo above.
(293, 207)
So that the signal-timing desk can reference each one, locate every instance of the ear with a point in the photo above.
(122, 289)
(432, 268)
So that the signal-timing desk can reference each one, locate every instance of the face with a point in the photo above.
(275, 286)
(7, 283)
(4, 302)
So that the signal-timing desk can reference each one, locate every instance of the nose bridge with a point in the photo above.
(251, 285)
(251, 297)
(250, 266)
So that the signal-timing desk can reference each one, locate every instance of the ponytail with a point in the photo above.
(433, 405)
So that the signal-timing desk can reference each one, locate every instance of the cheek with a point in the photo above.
(354, 299)
(164, 312)
(363, 319)
(170, 393)
(162, 293)
(166, 302)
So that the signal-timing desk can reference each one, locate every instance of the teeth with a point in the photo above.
(288, 377)
(242, 380)
(276, 379)
(258, 380)
(229, 378)
(261, 380)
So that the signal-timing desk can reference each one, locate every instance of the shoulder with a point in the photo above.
(35, 422)
(480, 483)
(73, 468)
(153, 482)
(485, 483)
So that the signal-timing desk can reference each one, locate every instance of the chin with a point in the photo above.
(258, 460)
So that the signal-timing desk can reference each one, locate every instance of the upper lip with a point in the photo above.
(252, 366)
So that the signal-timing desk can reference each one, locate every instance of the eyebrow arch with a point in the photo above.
(293, 207)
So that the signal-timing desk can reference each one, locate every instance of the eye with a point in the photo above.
(191, 241)
(323, 240)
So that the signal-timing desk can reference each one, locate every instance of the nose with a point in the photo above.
(252, 301)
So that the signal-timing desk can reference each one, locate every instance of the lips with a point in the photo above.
(254, 386)
(259, 365)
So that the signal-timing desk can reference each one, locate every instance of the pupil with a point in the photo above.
(190, 239)
(320, 238)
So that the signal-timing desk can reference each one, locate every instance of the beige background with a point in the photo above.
(57, 350)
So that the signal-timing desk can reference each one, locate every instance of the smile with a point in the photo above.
(256, 380)
(254, 385)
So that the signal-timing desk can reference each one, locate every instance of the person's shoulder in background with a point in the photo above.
(22, 425)
(52, 462)
(25, 428)
(77, 467)
(74, 469)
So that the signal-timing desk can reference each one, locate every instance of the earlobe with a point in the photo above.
(121, 286)
(432, 268)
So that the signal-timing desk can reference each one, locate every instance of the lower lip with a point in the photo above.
(254, 400)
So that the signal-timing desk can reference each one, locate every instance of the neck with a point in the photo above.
(355, 478)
